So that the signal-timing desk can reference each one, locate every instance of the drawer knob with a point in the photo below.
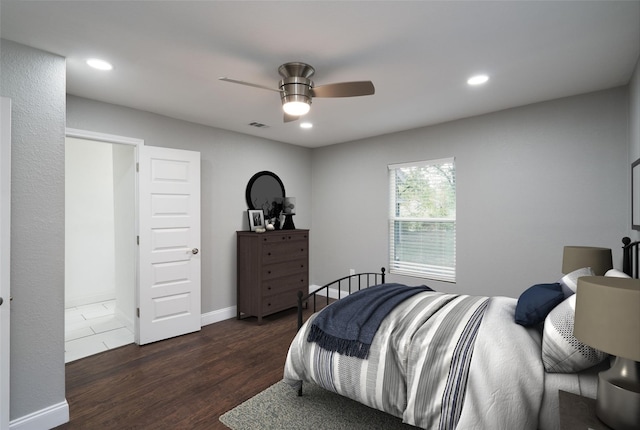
(268, 253)
(269, 288)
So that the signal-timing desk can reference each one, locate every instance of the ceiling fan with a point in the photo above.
(297, 89)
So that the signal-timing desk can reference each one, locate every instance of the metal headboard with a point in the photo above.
(370, 279)
(630, 257)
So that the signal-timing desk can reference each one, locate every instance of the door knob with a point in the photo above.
(194, 251)
(1, 301)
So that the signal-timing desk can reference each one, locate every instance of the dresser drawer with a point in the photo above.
(285, 251)
(291, 284)
(284, 237)
(279, 302)
(286, 268)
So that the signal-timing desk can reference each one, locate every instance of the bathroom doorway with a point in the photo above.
(100, 247)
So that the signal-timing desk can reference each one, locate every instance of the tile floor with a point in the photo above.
(90, 329)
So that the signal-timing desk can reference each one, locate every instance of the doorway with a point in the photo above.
(100, 248)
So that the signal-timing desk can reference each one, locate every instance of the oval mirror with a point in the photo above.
(263, 190)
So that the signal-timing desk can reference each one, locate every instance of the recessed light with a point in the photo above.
(99, 64)
(477, 80)
(306, 125)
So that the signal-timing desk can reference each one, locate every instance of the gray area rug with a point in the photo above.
(279, 407)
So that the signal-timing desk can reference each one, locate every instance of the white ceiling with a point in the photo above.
(168, 56)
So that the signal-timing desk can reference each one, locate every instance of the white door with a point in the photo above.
(169, 249)
(5, 249)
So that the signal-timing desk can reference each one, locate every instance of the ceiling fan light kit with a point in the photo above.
(295, 107)
(296, 89)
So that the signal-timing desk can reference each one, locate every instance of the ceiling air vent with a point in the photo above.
(258, 125)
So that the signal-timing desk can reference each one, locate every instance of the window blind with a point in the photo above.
(422, 219)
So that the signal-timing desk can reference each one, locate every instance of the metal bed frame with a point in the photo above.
(630, 257)
(371, 278)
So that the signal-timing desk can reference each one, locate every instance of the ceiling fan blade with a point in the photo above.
(344, 89)
(289, 118)
(249, 84)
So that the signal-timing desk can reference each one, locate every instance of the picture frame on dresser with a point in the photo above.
(256, 219)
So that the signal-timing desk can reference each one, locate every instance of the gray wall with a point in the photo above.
(228, 161)
(35, 81)
(529, 181)
(634, 123)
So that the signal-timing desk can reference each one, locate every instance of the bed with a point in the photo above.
(449, 361)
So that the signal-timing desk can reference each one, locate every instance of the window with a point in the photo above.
(422, 219)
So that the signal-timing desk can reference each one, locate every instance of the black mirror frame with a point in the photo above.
(253, 179)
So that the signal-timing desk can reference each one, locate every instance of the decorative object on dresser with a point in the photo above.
(272, 268)
(256, 219)
(289, 210)
(608, 319)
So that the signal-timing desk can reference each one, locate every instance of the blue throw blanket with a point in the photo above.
(348, 325)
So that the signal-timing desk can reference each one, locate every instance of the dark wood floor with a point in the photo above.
(181, 383)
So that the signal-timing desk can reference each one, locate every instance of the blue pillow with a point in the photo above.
(536, 302)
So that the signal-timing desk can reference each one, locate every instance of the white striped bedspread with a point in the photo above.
(438, 361)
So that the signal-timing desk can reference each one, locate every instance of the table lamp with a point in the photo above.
(577, 257)
(289, 210)
(608, 319)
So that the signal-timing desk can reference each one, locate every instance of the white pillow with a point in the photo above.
(569, 282)
(615, 273)
(561, 351)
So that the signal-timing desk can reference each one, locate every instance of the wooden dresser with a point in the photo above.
(272, 267)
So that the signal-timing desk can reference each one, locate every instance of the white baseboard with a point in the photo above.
(46, 418)
(219, 315)
(125, 319)
(231, 312)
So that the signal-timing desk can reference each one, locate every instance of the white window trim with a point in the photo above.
(427, 271)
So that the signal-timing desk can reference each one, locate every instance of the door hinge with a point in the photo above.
(137, 167)
(138, 312)
(138, 240)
